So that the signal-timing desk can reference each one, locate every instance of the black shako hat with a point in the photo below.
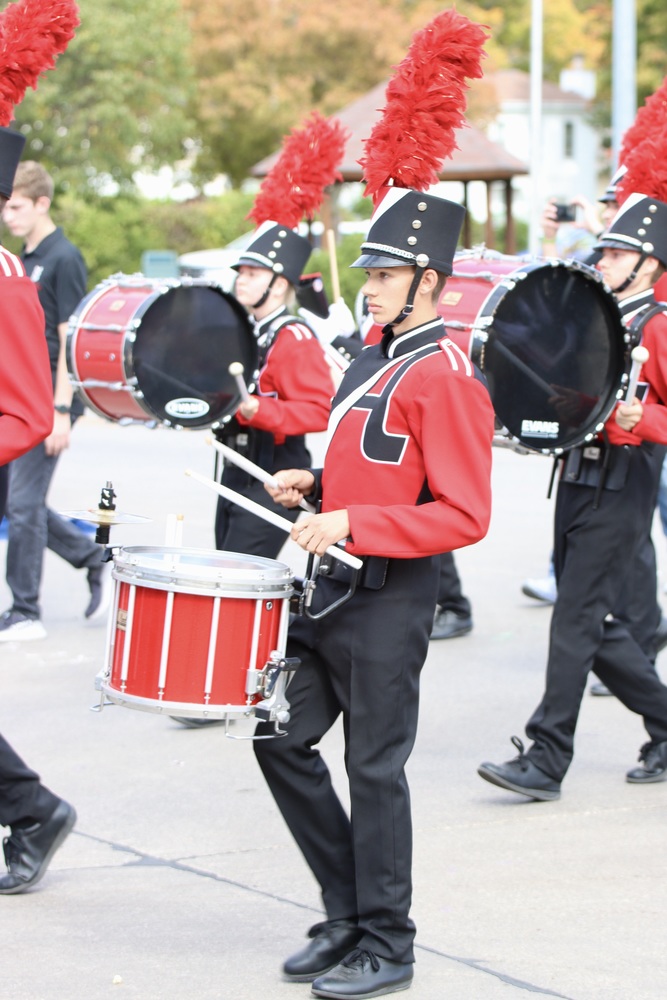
(11, 147)
(412, 228)
(610, 193)
(640, 225)
(279, 249)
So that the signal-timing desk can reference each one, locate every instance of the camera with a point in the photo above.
(566, 213)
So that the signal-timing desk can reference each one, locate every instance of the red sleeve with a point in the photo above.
(453, 425)
(653, 424)
(295, 386)
(26, 390)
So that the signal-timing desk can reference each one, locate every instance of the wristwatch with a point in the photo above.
(62, 408)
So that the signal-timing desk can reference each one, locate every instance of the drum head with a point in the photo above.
(187, 338)
(555, 354)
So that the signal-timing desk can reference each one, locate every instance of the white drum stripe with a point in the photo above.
(166, 639)
(212, 646)
(128, 633)
(252, 662)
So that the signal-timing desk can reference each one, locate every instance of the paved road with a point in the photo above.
(180, 880)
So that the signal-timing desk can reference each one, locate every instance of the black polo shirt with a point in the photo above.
(59, 272)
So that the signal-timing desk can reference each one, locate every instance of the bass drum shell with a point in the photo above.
(550, 339)
(151, 351)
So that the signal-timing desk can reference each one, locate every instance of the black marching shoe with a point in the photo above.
(450, 624)
(330, 942)
(522, 776)
(363, 974)
(653, 758)
(28, 850)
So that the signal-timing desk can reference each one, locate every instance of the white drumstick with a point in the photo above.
(268, 515)
(639, 357)
(253, 470)
(236, 371)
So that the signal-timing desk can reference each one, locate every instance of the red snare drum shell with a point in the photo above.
(183, 642)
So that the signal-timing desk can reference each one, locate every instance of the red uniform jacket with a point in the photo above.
(294, 385)
(26, 391)
(652, 378)
(409, 452)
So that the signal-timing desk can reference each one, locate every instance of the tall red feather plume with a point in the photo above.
(32, 34)
(425, 105)
(294, 187)
(650, 120)
(646, 168)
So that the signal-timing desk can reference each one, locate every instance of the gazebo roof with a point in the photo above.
(476, 159)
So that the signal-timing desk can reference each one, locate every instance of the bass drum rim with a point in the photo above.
(485, 344)
(138, 403)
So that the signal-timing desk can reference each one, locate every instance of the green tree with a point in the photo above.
(117, 99)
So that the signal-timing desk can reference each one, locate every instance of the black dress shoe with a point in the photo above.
(522, 776)
(653, 757)
(362, 974)
(29, 850)
(449, 624)
(330, 941)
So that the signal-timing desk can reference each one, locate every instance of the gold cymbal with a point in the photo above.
(97, 516)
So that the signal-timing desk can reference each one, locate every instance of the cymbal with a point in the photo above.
(97, 516)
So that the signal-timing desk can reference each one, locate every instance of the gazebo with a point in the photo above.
(476, 159)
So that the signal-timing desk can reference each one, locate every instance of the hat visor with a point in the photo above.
(612, 244)
(248, 262)
(607, 196)
(375, 260)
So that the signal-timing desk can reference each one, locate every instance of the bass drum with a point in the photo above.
(550, 339)
(157, 351)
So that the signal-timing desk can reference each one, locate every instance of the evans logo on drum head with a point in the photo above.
(540, 428)
(187, 408)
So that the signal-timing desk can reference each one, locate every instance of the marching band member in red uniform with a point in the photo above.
(293, 389)
(294, 385)
(406, 476)
(38, 820)
(604, 508)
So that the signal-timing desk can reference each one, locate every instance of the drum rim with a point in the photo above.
(482, 326)
(155, 288)
(268, 579)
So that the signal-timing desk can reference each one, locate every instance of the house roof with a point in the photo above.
(514, 85)
(477, 157)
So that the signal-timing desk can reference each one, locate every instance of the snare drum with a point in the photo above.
(548, 336)
(158, 350)
(198, 633)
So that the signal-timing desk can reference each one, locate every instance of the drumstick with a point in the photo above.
(254, 470)
(236, 371)
(269, 515)
(333, 264)
(639, 357)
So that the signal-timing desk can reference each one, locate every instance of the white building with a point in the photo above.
(572, 159)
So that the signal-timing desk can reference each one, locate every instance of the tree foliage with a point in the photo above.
(117, 98)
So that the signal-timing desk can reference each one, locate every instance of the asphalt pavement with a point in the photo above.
(180, 880)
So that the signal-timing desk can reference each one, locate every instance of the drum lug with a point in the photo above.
(272, 683)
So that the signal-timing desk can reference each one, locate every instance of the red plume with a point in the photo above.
(294, 187)
(646, 168)
(650, 120)
(32, 34)
(425, 105)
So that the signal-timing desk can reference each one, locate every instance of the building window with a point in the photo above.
(568, 139)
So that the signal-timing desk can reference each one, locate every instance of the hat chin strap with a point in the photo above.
(410, 304)
(633, 274)
(262, 299)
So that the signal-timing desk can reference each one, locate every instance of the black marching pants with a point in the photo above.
(363, 661)
(595, 553)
